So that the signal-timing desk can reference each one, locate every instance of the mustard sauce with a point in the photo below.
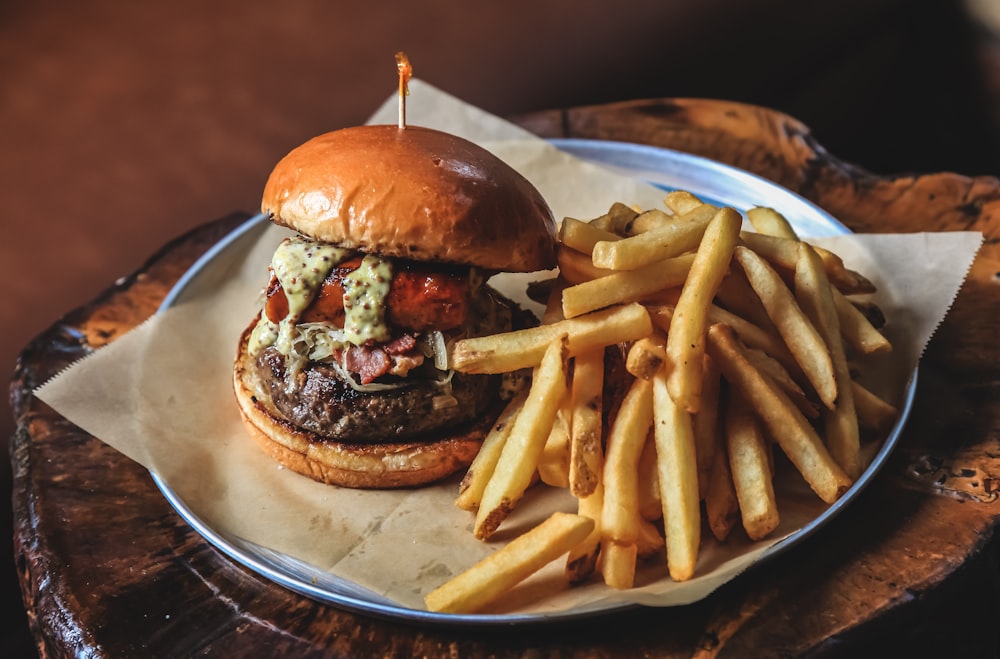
(365, 290)
(300, 266)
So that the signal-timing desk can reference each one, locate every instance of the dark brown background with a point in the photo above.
(122, 126)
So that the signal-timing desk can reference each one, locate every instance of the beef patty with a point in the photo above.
(320, 401)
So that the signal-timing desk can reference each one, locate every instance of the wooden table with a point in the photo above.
(109, 569)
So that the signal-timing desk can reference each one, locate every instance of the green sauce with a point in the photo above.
(365, 290)
(300, 266)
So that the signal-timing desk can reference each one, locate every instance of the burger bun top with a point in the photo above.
(413, 193)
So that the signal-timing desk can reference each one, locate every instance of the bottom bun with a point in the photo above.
(371, 466)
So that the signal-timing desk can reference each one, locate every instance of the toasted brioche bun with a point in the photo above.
(413, 193)
(380, 465)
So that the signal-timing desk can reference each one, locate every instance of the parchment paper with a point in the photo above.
(162, 396)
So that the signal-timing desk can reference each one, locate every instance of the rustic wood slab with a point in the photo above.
(109, 569)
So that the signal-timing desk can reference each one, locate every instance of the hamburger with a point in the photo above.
(343, 375)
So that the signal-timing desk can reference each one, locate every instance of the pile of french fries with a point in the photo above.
(733, 342)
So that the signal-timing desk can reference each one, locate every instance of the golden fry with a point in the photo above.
(576, 267)
(770, 222)
(783, 252)
(813, 290)
(618, 217)
(496, 574)
(553, 463)
(681, 201)
(618, 564)
(586, 422)
(519, 459)
(625, 286)
(857, 329)
(705, 422)
(646, 356)
(873, 412)
(722, 508)
(470, 490)
(512, 351)
(582, 558)
(802, 339)
(582, 236)
(750, 466)
(686, 336)
(783, 421)
(650, 504)
(677, 236)
(677, 466)
(626, 438)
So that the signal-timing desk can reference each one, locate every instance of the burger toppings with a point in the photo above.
(368, 317)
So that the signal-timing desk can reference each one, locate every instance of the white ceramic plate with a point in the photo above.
(710, 180)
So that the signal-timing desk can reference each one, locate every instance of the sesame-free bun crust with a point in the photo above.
(412, 193)
(386, 465)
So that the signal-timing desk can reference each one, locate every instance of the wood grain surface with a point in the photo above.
(109, 569)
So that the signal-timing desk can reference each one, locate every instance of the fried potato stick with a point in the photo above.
(814, 292)
(470, 490)
(625, 286)
(770, 222)
(519, 458)
(801, 337)
(512, 351)
(677, 466)
(586, 455)
(496, 574)
(686, 336)
(672, 238)
(626, 439)
(750, 466)
(783, 421)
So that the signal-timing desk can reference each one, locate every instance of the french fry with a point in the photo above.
(626, 438)
(625, 286)
(616, 219)
(857, 329)
(582, 236)
(686, 336)
(617, 563)
(783, 252)
(773, 369)
(681, 201)
(576, 267)
(586, 425)
(705, 421)
(677, 236)
(802, 339)
(553, 463)
(647, 220)
(749, 463)
(722, 508)
(518, 460)
(737, 296)
(650, 504)
(646, 356)
(783, 421)
(770, 222)
(496, 574)
(815, 295)
(582, 558)
(470, 490)
(620, 516)
(873, 412)
(511, 351)
(677, 467)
